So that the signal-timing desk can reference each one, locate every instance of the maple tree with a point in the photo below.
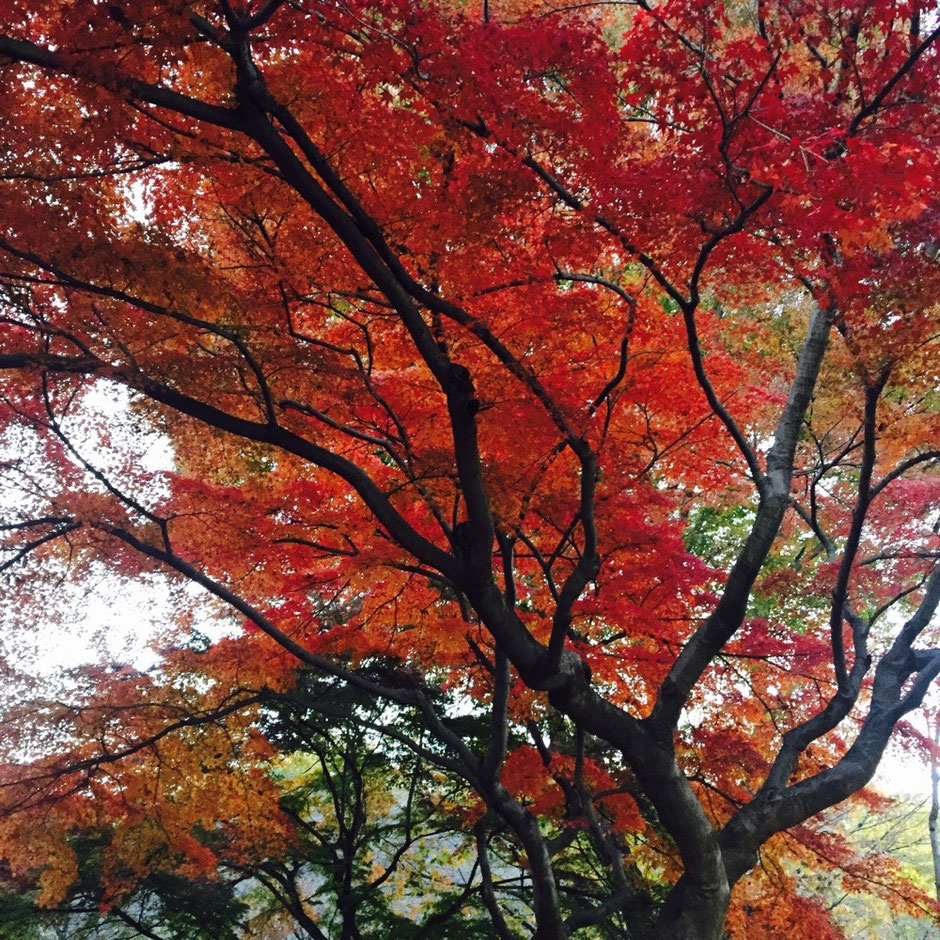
(552, 397)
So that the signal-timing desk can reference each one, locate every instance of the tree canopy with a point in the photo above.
(549, 404)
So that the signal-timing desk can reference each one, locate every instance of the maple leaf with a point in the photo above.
(529, 412)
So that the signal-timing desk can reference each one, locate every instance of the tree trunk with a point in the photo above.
(694, 911)
(935, 807)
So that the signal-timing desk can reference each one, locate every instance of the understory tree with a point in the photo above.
(530, 412)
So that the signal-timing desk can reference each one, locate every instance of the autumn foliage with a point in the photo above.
(530, 414)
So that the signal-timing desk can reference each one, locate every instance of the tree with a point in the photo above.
(558, 382)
